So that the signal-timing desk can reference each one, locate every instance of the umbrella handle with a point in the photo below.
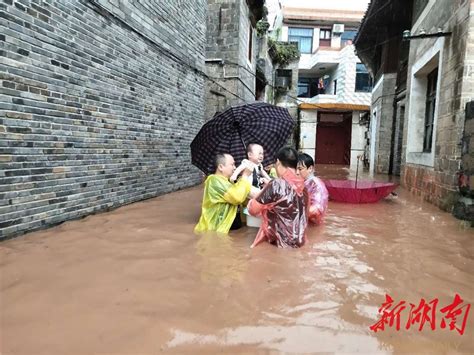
(242, 140)
(357, 169)
(237, 127)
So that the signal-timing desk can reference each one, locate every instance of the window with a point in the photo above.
(303, 87)
(422, 116)
(430, 110)
(363, 80)
(304, 37)
(283, 79)
(347, 37)
(308, 87)
(335, 87)
(325, 37)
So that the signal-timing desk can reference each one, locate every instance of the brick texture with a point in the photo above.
(382, 103)
(99, 102)
(439, 185)
(228, 38)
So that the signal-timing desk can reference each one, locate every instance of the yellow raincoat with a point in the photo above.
(220, 201)
(273, 173)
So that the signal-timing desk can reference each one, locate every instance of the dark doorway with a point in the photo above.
(333, 138)
(397, 140)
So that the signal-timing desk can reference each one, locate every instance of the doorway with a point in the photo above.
(333, 138)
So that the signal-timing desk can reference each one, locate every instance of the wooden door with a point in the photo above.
(333, 139)
(330, 145)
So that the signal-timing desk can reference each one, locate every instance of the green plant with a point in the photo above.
(282, 53)
(262, 27)
(277, 33)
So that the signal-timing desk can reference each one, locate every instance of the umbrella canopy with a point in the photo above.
(232, 130)
(358, 191)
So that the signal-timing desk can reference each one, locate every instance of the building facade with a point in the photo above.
(426, 65)
(99, 101)
(333, 92)
(379, 45)
(231, 53)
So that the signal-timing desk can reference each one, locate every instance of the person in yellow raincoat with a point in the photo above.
(221, 197)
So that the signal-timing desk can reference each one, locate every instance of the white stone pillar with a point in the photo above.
(309, 121)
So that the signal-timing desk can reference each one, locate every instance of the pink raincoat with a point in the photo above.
(282, 204)
(318, 199)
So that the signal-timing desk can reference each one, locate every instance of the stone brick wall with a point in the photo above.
(467, 163)
(468, 95)
(99, 102)
(398, 133)
(438, 184)
(382, 104)
(346, 79)
(266, 65)
(228, 34)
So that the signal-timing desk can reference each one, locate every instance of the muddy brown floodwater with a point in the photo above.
(138, 281)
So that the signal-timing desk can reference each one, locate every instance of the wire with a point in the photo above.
(273, 87)
(173, 56)
(366, 18)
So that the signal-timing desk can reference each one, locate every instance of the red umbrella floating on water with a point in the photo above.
(351, 191)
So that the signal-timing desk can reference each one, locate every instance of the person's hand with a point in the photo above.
(248, 164)
(265, 181)
(254, 192)
(234, 176)
(238, 170)
(247, 167)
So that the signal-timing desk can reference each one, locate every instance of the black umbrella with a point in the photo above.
(232, 130)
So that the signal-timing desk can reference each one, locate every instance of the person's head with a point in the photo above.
(287, 158)
(255, 153)
(225, 165)
(305, 165)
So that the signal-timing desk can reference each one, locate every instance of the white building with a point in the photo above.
(334, 88)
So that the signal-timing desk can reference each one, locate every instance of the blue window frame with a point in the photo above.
(363, 80)
(304, 37)
(347, 37)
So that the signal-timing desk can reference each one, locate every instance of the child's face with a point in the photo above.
(256, 154)
(304, 171)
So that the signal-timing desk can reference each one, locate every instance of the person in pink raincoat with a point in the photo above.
(282, 205)
(318, 194)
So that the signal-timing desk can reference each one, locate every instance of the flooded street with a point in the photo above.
(138, 281)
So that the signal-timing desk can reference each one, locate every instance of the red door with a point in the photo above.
(333, 142)
(330, 145)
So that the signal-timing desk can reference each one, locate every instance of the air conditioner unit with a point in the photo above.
(283, 79)
(338, 28)
(282, 82)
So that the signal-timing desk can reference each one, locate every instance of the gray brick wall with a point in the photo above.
(97, 109)
(228, 34)
(468, 95)
(439, 185)
(382, 101)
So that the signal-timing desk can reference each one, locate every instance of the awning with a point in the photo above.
(292, 14)
(336, 106)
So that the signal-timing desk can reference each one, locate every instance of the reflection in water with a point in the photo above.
(138, 280)
(221, 260)
(289, 339)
